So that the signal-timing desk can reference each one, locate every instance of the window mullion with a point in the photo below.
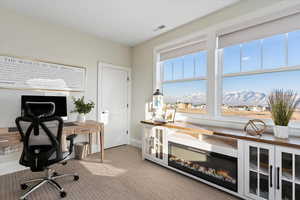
(219, 84)
(211, 69)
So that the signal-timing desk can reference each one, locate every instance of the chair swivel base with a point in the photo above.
(50, 179)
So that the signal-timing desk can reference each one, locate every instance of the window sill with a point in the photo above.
(232, 122)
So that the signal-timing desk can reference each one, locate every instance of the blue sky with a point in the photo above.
(264, 82)
(260, 54)
(184, 88)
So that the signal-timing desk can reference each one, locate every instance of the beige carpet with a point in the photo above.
(123, 175)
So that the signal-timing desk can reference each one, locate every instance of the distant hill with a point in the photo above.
(238, 98)
(247, 98)
(231, 98)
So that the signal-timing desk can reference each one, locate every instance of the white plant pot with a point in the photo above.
(281, 131)
(81, 118)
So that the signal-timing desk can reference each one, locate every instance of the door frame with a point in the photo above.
(100, 67)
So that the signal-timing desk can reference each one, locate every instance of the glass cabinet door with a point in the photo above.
(287, 174)
(259, 171)
(154, 142)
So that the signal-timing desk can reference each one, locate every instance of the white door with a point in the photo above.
(113, 104)
(259, 171)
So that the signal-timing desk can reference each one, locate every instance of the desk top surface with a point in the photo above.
(89, 126)
(268, 138)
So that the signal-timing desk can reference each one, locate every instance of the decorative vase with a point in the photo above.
(81, 117)
(281, 131)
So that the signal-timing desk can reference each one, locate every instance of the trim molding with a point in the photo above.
(136, 143)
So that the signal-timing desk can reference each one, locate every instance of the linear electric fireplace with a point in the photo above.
(214, 167)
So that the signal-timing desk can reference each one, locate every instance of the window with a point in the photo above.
(253, 69)
(252, 60)
(293, 48)
(184, 82)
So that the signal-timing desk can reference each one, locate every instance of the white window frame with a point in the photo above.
(283, 68)
(200, 78)
(214, 63)
(159, 71)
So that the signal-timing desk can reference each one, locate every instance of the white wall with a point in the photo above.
(32, 38)
(27, 37)
(142, 58)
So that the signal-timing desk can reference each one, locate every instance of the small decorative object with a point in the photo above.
(170, 115)
(157, 106)
(282, 106)
(82, 108)
(255, 127)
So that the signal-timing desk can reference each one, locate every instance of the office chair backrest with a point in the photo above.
(41, 135)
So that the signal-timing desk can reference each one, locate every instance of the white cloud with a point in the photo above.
(245, 58)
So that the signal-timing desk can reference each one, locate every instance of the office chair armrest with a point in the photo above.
(71, 139)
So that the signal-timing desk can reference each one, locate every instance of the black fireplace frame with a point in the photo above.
(230, 186)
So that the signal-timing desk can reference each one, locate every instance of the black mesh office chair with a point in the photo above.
(41, 133)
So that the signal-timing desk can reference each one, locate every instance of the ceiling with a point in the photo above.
(125, 21)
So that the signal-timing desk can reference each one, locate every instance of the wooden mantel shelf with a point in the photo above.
(292, 141)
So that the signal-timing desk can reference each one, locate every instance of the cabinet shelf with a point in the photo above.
(264, 172)
(297, 181)
(259, 172)
(286, 179)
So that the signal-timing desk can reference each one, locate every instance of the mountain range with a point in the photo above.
(245, 97)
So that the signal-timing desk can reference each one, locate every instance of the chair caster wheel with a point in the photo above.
(24, 186)
(55, 174)
(63, 194)
(64, 163)
(76, 178)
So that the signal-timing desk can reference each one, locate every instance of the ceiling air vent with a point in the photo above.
(159, 28)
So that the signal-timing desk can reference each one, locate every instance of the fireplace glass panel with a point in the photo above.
(213, 167)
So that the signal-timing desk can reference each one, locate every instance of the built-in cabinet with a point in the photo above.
(272, 172)
(259, 170)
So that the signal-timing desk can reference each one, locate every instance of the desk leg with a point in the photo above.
(102, 144)
(90, 142)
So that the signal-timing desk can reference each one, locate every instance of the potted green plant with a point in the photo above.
(282, 105)
(82, 108)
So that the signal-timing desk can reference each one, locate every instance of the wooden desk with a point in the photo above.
(89, 127)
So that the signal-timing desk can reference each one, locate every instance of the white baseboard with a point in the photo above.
(95, 148)
(136, 143)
